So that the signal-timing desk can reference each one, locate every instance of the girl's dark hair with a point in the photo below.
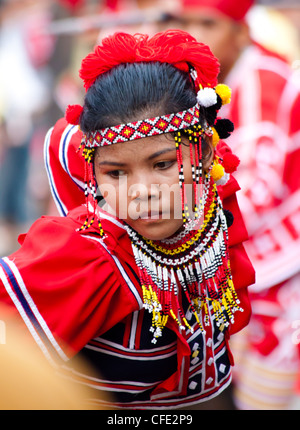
(134, 91)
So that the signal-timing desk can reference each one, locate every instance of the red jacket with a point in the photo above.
(78, 293)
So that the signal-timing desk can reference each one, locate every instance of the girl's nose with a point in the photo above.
(143, 188)
(143, 191)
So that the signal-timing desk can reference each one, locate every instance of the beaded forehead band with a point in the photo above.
(145, 128)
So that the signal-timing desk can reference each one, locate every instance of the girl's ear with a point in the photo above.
(208, 153)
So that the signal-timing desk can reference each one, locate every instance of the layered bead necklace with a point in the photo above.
(194, 263)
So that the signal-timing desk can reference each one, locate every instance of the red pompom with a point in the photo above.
(175, 47)
(230, 162)
(73, 113)
(223, 148)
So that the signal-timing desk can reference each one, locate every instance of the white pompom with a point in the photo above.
(207, 97)
(223, 180)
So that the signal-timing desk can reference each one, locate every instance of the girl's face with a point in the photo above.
(139, 182)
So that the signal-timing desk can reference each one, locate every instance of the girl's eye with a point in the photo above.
(116, 173)
(162, 165)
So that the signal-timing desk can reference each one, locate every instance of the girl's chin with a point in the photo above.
(156, 229)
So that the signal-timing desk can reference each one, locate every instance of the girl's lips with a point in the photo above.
(145, 216)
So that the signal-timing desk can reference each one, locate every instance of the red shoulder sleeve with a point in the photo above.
(64, 166)
(64, 286)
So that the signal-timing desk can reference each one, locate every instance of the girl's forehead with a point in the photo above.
(138, 147)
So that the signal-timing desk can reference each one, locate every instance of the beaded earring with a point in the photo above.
(194, 136)
(90, 188)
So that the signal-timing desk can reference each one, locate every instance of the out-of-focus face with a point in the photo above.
(140, 183)
(225, 37)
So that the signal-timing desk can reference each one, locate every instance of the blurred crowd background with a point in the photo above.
(42, 44)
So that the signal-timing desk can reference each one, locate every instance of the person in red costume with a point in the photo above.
(147, 286)
(265, 107)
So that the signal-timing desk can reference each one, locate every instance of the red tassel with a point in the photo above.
(230, 162)
(73, 113)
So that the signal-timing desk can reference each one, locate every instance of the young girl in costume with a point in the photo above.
(149, 286)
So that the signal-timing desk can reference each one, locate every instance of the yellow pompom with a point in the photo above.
(217, 171)
(215, 137)
(224, 92)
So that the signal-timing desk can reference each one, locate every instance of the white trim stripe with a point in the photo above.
(58, 202)
(133, 357)
(64, 143)
(23, 314)
(28, 309)
(133, 329)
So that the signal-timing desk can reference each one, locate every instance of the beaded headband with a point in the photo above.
(145, 128)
